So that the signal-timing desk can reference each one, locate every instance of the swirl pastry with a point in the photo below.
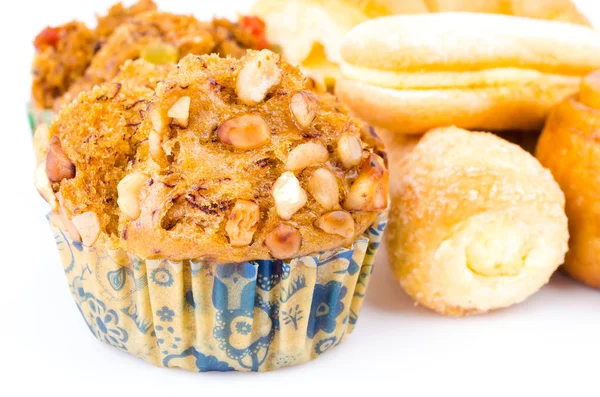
(411, 73)
(570, 147)
(476, 224)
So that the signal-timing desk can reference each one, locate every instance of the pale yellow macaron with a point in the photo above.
(410, 73)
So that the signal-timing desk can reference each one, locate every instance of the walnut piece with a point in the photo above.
(349, 149)
(43, 186)
(369, 192)
(88, 227)
(242, 223)
(58, 165)
(180, 111)
(306, 155)
(245, 132)
(284, 241)
(289, 195)
(323, 186)
(128, 190)
(337, 222)
(259, 74)
(304, 106)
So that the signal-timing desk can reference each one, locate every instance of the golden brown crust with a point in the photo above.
(99, 133)
(183, 33)
(192, 177)
(57, 65)
(117, 15)
(569, 146)
(504, 107)
(476, 223)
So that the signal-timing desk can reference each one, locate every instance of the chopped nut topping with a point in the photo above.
(156, 118)
(305, 155)
(245, 132)
(58, 165)
(349, 150)
(242, 223)
(289, 195)
(323, 186)
(88, 227)
(284, 242)
(369, 192)
(42, 184)
(129, 194)
(257, 77)
(304, 106)
(180, 111)
(155, 148)
(66, 222)
(41, 142)
(337, 222)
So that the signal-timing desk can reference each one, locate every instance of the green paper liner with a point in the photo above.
(38, 116)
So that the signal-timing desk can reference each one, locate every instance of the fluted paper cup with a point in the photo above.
(252, 316)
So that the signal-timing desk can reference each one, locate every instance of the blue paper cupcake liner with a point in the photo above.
(252, 316)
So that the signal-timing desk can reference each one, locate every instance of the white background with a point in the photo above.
(549, 345)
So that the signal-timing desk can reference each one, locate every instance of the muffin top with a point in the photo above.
(228, 160)
(73, 58)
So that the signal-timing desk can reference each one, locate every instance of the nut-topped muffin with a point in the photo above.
(72, 58)
(226, 193)
(244, 163)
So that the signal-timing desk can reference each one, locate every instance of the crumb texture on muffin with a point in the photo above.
(227, 160)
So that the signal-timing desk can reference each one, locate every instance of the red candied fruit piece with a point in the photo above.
(256, 27)
(48, 37)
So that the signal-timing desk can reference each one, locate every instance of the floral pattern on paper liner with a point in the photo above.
(253, 316)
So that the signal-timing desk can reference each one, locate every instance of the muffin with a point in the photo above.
(72, 58)
(216, 214)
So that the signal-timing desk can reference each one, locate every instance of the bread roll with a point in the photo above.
(411, 73)
(570, 147)
(476, 223)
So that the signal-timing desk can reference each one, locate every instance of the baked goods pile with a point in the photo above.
(186, 153)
